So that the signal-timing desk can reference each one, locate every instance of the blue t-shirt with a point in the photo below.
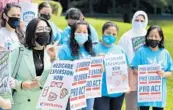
(65, 35)
(67, 31)
(114, 49)
(66, 54)
(147, 56)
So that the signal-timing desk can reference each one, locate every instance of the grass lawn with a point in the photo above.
(123, 27)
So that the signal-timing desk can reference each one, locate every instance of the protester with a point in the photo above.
(153, 52)
(131, 41)
(11, 33)
(34, 66)
(107, 47)
(80, 46)
(11, 36)
(72, 15)
(45, 11)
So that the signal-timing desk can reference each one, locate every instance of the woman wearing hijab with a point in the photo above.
(131, 41)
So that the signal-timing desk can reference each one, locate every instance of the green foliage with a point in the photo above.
(56, 8)
(159, 3)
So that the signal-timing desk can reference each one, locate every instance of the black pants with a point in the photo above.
(148, 108)
(108, 103)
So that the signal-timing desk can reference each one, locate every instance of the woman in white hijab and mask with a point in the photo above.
(131, 41)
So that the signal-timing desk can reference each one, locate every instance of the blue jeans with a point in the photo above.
(90, 105)
(1, 109)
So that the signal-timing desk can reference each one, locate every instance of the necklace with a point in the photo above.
(38, 54)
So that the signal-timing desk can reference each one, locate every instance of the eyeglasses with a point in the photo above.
(43, 29)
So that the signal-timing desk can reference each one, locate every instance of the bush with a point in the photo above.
(56, 6)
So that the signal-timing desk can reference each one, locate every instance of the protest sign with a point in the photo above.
(94, 81)
(57, 89)
(149, 83)
(137, 42)
(116, 73)
(5, 89)
(78, 92)
(29, 11)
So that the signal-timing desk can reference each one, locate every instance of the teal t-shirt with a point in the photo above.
(66, 54)
(147, 56)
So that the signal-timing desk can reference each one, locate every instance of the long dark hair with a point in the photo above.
(18, 30)
(30, 33)
(159, 29)
(74, 46)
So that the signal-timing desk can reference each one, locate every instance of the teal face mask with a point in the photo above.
(81, 38)
(109, 39)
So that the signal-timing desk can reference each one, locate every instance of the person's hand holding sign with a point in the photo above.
(160, 73)
(102, 54)
(51, 50)
(164, 74)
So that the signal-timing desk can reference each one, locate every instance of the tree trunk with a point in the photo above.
(113, 4)
(68, 4)
(127, 13)
(171, 8)
(137, 4)
(162, 10)
(155, 10)
(90, 7)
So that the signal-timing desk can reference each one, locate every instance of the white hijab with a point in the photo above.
(141, 31)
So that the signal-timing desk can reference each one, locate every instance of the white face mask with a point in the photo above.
(138, 25)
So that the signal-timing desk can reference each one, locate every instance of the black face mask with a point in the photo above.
(13, 22)
(45, 16)
(70, 25)
(42, 38)
(153, 43)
